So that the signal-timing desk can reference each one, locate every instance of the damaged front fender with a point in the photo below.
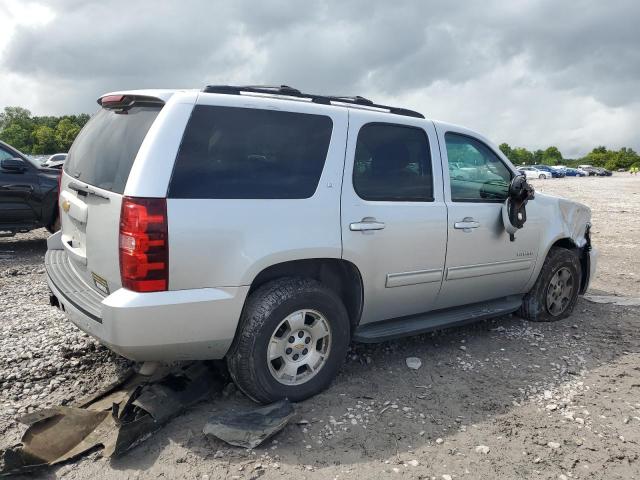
(566, 224)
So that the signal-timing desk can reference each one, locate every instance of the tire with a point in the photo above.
(55, 226)
(539, 305)
(270, 319)
(541, 176)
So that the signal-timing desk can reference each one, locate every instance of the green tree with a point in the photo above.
(625, 158)
(506, 149)
(65, 134)
(15, 115)
(522, 156)
(16, 127)
(552, 156)
(538, 155)
(17, 136)
(44, 140)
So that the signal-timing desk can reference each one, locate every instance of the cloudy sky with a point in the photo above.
(531, 73)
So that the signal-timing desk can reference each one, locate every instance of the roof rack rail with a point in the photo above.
(288, 91)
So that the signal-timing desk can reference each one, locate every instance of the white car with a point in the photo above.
(532, 172)
(271, 227)
(55, 161)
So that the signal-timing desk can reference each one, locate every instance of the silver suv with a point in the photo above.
(271, 227)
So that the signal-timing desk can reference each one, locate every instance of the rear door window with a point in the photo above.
(393, 163)
(234, 153)
(103, 153)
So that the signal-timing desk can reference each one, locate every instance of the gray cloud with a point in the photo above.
(500, 66)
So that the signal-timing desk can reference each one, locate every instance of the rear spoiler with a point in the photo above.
(126, 101)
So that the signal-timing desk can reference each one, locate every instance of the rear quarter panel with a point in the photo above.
(219, 242)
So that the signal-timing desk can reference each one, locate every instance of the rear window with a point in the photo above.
(104, 151)
(230, 152)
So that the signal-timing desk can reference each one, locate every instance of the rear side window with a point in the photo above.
(230, 152)
(103, 153)
(393, 163)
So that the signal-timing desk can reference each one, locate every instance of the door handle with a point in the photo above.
(466, 224)
(366, 224)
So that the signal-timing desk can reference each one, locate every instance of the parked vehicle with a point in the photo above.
(575, 172)
(591, 171)
(28, 193)
(271, 227)
(37, 159)
(554, 173)
(561, 169)
(532, 172)
(603, 172)
(55, 161)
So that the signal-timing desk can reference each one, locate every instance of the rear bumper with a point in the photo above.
(193, 324)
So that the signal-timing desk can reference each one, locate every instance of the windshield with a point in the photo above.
(103, 153)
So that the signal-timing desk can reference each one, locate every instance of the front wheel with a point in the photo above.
(541, 176)
(555, 293)
(293, 337)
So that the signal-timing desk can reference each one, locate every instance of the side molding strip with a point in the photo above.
(470, 271)
(412, 278)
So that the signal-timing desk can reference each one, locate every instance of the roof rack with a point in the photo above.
(287, 91)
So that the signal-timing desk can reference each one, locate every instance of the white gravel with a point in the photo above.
(44, 359)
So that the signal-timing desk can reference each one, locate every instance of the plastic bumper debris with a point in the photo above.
(249, 429)
(114, 420)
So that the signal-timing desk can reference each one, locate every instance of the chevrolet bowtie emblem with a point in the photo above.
(66, 205)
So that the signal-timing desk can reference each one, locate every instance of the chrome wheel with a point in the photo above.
(560, 291)
(299, 347)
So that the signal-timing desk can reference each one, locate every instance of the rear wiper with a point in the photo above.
(84, 188)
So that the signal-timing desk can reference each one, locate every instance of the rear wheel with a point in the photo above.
(55, 226)
(555, 293)
(293, 337)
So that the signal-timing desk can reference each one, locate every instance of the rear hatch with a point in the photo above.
(93, 184)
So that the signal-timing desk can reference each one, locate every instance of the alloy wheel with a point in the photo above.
(299, 347)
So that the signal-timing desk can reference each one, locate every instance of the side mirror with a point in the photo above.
(514, 213)
(13, 165)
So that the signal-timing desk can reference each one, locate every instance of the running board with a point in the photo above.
(427, 322)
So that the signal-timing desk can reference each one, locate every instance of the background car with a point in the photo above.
(532, 172)
(55, 160)
(603, 172)
(561, 169)
(591, 171)
(554, 173)
(575, 172)
(28, 193)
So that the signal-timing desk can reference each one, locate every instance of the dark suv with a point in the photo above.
(28, 193)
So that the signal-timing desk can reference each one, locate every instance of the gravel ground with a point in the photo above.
(499, 399)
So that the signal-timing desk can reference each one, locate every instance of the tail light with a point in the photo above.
(143, 244)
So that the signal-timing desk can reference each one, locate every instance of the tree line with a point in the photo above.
(47, 134)
(39, 135)
(598, 157)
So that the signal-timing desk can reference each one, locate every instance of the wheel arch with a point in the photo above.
(342, 276)
(567, 243)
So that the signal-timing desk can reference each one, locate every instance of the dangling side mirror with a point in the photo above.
(514, 213)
